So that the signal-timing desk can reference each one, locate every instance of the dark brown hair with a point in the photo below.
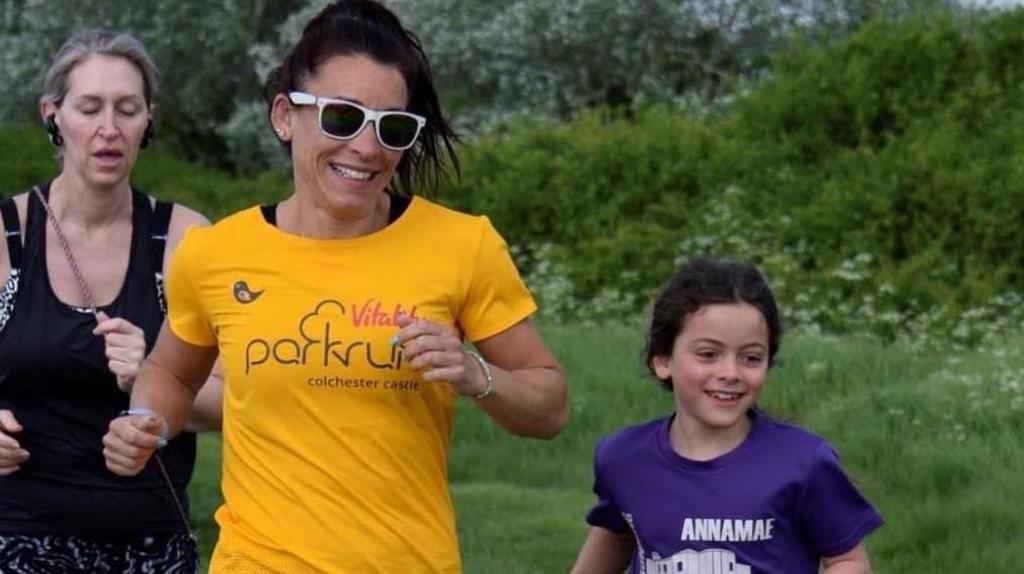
(364, 27)
(704, 282)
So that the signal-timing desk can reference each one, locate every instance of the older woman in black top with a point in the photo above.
(81, 303)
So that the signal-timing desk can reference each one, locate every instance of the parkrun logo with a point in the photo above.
(243, 294)
(318, 342)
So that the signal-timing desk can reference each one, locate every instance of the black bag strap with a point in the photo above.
(12, 229)
(158, 239)
(157, 246)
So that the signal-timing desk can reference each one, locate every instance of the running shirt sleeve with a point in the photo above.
(605, 513)
(497, 298)
(832, 513)
(186, 315)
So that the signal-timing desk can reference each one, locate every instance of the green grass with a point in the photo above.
(933, 442)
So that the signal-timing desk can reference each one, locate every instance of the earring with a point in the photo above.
(148, 135)
(52, 131)
(280, 133)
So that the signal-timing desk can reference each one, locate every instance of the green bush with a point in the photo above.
(28, 159)
(876, 181)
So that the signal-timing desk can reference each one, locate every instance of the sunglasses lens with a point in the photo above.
(398, 131)
(341, 120)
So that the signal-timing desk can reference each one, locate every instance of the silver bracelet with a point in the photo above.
(487, 376)
(165, 431)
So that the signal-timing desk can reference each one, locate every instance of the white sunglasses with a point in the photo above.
(343, 120)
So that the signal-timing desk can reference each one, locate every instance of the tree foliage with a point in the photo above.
(876, 180)
(494, 60)
(201, 47)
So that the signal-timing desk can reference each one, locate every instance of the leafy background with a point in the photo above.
(866, 154)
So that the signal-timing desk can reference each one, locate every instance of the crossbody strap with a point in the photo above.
(90, 303)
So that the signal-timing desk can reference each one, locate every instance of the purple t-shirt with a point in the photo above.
(775, 504)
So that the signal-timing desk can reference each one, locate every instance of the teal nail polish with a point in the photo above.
(161, 443)
(394, 340)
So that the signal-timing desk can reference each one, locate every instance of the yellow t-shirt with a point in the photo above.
(335, 451)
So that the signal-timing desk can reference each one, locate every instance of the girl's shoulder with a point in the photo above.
(630, 441)
(791, 442)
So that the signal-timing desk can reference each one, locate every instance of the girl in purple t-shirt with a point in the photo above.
(718, 487)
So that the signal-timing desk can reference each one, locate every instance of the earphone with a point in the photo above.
(148, 135)
(52, 131)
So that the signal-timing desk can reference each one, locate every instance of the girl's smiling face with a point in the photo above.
(717, 367)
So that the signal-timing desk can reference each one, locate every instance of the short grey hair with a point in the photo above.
(101, 42)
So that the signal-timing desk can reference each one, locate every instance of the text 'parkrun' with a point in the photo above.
(319, 343)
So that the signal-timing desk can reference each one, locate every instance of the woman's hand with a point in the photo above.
(436, 351)
(130, 442)
(526, 390)
(125, 346)
(11, 453)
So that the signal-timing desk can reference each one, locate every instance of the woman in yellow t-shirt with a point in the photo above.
(339, 315)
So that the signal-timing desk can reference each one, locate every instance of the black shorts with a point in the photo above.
(54, 554)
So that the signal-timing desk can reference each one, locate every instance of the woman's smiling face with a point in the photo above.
(346, 177)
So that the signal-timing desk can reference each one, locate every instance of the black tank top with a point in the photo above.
(54, 378)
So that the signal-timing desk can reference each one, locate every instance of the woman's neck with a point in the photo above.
(76, 203)
(694, 440)
(300, 216)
